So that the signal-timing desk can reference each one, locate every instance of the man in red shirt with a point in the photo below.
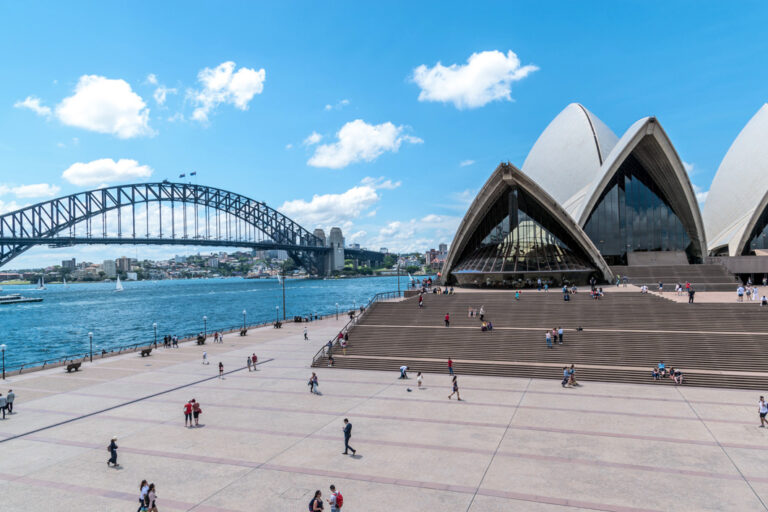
(447, 319)
(450, 366)
(255, 360)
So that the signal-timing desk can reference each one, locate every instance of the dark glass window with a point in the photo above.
(758, 238)
(633, 214)
(518, 235)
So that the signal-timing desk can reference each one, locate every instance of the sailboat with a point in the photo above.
(41, 283)
(118, 285)
(65, 281)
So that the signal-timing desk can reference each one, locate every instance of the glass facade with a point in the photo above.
(634, 215)
(518, 236)
(758, 239)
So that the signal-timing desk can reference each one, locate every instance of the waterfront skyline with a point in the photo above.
(387, 137)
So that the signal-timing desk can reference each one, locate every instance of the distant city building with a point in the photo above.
(8, 276)
(110, 268)
(180, 259)
(384, 250)
(131, 276)
(443, 249)
(354, 246)
(69, 264)
(123, 264)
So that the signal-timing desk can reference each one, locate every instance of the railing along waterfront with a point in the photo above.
(103, 352)
(354, 319)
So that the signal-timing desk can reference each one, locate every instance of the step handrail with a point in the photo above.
(354, 319)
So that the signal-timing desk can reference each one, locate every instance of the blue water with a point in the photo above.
(59, 325)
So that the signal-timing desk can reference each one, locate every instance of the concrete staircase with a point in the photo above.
(624, 335)
(713, 278)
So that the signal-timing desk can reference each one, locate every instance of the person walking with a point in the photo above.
(11, 396)
(447, 319)
(112, 448)
(221, 370)
(306, 335)
(403, 372)
(336, 501)
(205, 357)
(313, 384)
(482, 313)
(151, 498)
(3, 404)
(248, 362)
(566, 376)
(188, 414)
(316, 503)
(254, 360)
(762, 409)
(143, 491)
(549, 339)
(419, 379)
(347, 434)
(455, 389)
(196, 412)
(421, 301)
(560, 335)
(450, 366)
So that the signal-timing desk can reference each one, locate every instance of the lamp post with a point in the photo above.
(2, 348)
(277, 311)
(243, 319)
(90, 342)
(283, 296)
(154, 326)
(337, 311)
(205, 326)
(398, 276)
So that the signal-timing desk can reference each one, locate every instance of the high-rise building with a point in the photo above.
(110, 268)
(123, 264)
(69, 264)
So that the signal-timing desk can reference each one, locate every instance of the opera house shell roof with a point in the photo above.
(735, 209)
(623, 197)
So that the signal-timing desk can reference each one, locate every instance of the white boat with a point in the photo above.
(41, 284)
(118, 285)
(65, 281)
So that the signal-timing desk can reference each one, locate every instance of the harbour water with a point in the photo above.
(59, 325)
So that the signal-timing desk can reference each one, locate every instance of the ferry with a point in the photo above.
(17, 299)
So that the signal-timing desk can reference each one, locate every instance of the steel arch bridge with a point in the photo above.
(158, 214)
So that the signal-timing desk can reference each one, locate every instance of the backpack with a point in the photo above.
(339, 500)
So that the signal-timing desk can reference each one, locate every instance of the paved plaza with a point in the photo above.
(266, 444)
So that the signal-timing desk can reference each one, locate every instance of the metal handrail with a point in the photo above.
(353, 320)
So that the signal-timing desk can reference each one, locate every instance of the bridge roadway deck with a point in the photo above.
(265, 443)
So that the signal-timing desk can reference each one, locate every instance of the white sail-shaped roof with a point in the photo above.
(739, 188)
(567, 156)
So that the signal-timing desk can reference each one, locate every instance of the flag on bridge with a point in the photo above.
(193, 173)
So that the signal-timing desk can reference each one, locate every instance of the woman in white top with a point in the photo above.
(419, 379)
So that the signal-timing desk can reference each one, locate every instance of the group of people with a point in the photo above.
(661, 372)
(752, 294)
(6, 402)
(170, 341)
(569, 376)
(555, 336)
(335, 501)
(147, 497)
(313, 384)
(250, 362)
(192, 411)
(218, 337)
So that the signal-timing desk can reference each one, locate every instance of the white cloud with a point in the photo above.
(152, 79)
(32, 103)
(328, 210)
(487, 76)
(288, 146)
(355, 236)
(105, 105)
(161, 93)
(465, 163)
(9, 206)
(702, 196)
(104, 171)
(360, 141)
(338, 106)
(223, 85)
(312, 139)
(380, 183)
(4, 189)
(36, 190)
(415, 235)
(688, 167)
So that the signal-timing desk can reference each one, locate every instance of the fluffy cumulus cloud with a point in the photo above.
(312, 139)
(35, 105)
(224, 85)
(328, 210)
(415, 235)
(338, 106)
(105, 105)
(487, 76)
(34, 191)
(9, 206)
(359, 141)
(105, 170)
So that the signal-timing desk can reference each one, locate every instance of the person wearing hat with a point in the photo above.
(112, 451)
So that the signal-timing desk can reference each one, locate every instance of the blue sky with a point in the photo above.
(81, 84)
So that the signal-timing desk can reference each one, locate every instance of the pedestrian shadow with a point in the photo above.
(356, 456)
(201, 425)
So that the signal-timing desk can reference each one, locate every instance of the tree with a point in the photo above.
(389, 261)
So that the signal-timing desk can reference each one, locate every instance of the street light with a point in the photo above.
(243, 319)
(337, 311)
(205, 326)
(154, 326)
(277, 311)
(2, 348)
(90, 341)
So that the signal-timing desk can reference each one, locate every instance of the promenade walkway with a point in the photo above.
(265, 443)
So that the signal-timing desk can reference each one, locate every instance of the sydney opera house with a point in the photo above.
(587, 203)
